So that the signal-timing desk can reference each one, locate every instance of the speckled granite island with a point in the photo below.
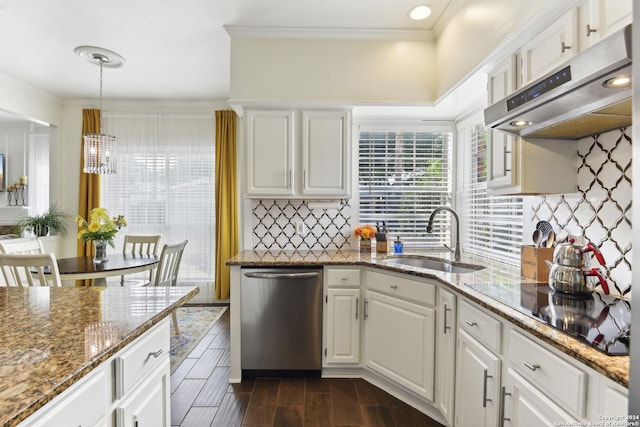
(495, 289)
(51, 338)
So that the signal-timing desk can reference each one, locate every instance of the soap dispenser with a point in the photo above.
(397, 246)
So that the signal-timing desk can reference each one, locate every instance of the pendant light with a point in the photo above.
(100, 150)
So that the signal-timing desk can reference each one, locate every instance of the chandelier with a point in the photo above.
(100, 150)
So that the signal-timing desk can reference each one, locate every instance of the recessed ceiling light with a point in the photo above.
(520, 123)
(618, 81)
(419, 13)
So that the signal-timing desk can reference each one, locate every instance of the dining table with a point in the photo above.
(84, 267)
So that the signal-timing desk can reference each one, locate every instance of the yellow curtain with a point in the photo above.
(89, 182)
(226, 199)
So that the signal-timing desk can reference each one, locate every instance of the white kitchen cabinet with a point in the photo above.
(298, 154)
(502, 154)
(525, 406)
(270, 153)
(550, 48)
(83, 404)
(599, 18)
(445, 353)
(400, 342)
(326, 153)
(477, 383)
(343, 314)
(129, 389)
(149, 403)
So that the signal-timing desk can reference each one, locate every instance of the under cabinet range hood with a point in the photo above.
(577, 99)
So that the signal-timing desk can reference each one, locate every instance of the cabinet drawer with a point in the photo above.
(400, 287)
(135, 362)
(83, 404)
(343, 277)
(481, 326)
(561, 380)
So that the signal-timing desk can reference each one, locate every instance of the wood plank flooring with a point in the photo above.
(202, 396)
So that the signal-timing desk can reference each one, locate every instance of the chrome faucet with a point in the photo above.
(457, 250)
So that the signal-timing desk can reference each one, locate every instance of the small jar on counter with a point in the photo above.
(397, 246)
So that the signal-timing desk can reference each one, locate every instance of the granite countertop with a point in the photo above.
(497, 278)
(42, 337)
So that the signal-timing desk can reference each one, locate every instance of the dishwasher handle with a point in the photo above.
(263, 275)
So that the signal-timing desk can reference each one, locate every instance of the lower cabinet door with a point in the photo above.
(400, 342)
(445, 354)
(148, 404)
(526, 406)
(477, 384)
(343, 326)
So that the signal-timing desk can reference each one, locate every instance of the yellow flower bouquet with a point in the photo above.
(365, 233)
(99, 226)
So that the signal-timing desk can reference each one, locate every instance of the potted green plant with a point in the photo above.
(41, 225)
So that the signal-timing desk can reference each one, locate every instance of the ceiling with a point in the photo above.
(174, 50)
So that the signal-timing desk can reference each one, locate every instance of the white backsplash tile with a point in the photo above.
(601, 210)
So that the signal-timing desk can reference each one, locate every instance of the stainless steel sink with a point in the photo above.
(429, 263)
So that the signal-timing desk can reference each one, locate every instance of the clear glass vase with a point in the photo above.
(100, 251)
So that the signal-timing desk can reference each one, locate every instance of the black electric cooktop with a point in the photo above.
(600, 321)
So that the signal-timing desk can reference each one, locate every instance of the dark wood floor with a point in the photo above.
(201, 396)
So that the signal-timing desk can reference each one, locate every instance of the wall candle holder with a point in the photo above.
(17, 195)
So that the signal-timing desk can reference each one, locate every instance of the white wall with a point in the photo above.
(332, 71)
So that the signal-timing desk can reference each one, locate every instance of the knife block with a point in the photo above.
(533, 262)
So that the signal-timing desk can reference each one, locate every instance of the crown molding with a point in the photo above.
(246, 32)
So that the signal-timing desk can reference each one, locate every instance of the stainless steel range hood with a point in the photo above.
(573, 101)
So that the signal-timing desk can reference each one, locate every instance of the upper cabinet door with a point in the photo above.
(270, 153)
(502, 148)
(326, 153)
(599, 18)
(549, 49)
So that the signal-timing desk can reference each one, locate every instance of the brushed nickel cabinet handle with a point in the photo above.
(472, 324)
(591, 30)
(532, 366)
(446, 309)
(155, 354)
(501, 409)
(484, 388)
(357, 308)
(565, 47)
(366, 309)
(506, 157)
(394, 286)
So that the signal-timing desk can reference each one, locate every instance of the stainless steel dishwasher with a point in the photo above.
(281, 320)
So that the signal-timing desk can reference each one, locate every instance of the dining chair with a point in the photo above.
(167, 271)
(21, 246)
(138, 244)
(30, 270)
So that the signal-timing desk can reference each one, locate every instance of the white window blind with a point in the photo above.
(403, 177)
(492, 225)
(165, 183)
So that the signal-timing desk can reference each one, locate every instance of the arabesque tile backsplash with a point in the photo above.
(274, 225)
(601, 209)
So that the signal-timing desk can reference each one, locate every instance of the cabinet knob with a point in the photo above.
(590, 30)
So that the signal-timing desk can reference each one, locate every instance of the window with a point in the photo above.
(165, 183)
(492, 225)
(403, 177)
